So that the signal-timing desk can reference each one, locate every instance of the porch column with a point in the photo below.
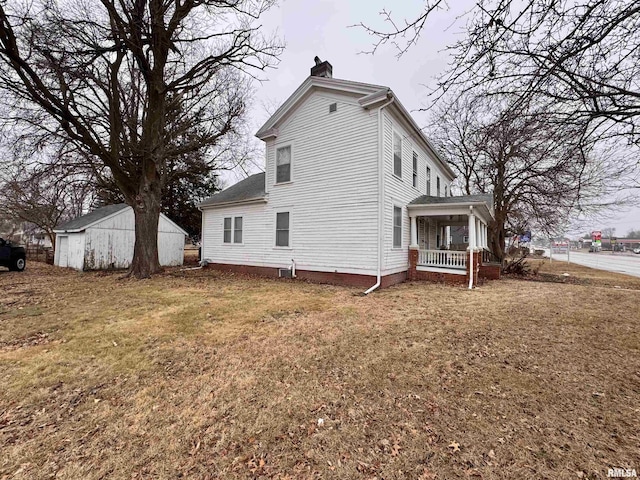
(414, 232)
(472, 231)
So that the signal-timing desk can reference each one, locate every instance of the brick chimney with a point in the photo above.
(322, 69)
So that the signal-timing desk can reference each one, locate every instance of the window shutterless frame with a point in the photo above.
(397, 227)
(237, 230)
(428, 181)
(397, 154)
(226, 236)
(284, 161)
(283, 222)
(415, 170)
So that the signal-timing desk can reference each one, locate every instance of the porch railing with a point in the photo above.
(443, 259)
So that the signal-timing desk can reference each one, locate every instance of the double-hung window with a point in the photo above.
(282, 229)
(283, 164)
(237, 230)
(397, 154)
(415, 170)
(232, 229)
(446, 191)
(437, 186)
(428, 181)
(397, 227)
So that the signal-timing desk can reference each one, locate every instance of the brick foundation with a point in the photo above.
(333, 278)
(490, 271)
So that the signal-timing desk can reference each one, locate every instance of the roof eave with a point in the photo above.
(311, 82)
(234, 202)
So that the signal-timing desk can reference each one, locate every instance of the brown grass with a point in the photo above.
(195, 374)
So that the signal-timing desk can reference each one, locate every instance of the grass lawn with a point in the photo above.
(196, 374)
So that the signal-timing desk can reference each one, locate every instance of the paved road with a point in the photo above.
(617, 262)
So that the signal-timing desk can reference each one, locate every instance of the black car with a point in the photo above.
(12, 256)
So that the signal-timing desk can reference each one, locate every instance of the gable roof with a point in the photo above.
(80, 223)
(83, 222)
(370, 95)
(247, 190)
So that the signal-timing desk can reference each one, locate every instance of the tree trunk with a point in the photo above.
(496, 242)
(145, 251)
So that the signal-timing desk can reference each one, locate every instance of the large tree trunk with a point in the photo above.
(145, 251)
(496, 240)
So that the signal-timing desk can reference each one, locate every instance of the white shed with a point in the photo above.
(105, 238)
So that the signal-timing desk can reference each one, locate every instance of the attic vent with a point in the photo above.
(333, 107)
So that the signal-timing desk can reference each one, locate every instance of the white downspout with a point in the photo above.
(380, 196)
(472, 235)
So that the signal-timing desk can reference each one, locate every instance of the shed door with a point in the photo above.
(63, 260)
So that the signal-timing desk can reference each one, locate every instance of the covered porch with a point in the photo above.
(434, 254)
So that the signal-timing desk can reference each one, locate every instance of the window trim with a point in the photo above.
(393, 153)
(428, 185)
(232, 231)
(275, 163)
(275, 230)
(394, 226)
(416, 162)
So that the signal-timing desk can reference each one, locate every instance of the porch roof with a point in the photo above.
(428, 206)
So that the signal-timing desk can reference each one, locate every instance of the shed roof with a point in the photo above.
(82, 222)
(251, 188)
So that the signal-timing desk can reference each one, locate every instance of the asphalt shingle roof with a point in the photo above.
(248, 189)
(83, 221)
(428, 200)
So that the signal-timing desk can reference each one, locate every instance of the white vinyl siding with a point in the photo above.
(283, 164)
(282, 229)
(397, 154)
(397, 227)
(332, 199)
(402, 193)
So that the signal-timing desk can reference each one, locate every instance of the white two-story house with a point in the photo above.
(352, 193)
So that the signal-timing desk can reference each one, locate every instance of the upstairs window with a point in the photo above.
(446, 192)
(232, 228)
(397, 227)
(397, 154)
(415, 170)
(282, 229)
(437, 186)
(283, 164)
(428, 181)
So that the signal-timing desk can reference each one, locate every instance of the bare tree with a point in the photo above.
(581, 58)
(132, 84)
(537, 170)
(43, 196)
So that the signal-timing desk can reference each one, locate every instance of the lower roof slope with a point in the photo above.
(251, 188)
(79, 223)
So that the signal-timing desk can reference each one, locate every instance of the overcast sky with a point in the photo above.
(322, 28)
